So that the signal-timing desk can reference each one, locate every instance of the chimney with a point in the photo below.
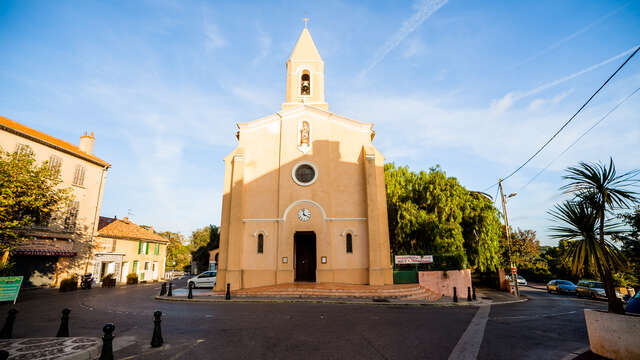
(126, 219)
(86, 143)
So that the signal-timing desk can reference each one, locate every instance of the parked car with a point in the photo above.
(206, 279)
(593, 289)
(521, 280)
(561, 286)
(633, 305)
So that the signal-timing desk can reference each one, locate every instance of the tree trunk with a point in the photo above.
(614, 305)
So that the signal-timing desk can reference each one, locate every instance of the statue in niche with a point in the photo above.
(305, 134)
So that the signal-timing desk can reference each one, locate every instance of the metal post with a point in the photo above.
(107, 342)
(163, 289)
(455, 295)
(228, 295)
(474, 294)
(156, 339)
(170, 293)
(4, 354)
(7, 329)
(63, 331)
(514, 276)
(468, 293)
(190, 295)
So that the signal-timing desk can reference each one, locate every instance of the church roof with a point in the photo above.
(305, 48)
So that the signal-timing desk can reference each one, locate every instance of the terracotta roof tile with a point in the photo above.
(125, 228)
(50, 140)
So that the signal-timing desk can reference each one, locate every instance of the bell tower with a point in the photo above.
(305, 74)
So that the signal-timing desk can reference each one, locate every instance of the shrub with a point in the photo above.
(6, 269)
(132, 279)
(107, 277)
(69, 284)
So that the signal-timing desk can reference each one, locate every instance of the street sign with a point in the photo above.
(513, 270)
(413, 259)
(10, 287)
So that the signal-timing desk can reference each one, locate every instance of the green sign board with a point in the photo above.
(10, 287)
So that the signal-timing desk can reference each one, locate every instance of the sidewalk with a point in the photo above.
(484, 296)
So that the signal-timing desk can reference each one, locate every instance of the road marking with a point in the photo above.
(533, 316)
(468, 346)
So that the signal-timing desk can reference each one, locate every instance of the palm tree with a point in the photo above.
(579, 222)
(600, 191)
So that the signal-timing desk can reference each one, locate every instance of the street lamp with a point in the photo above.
(514, 270)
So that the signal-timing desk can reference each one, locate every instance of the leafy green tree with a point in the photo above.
(430, 213)
(630, 249)
(178, 254)
(524, 248)
(30, 194)
(201, 242)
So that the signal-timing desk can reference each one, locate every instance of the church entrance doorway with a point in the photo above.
(305, 250)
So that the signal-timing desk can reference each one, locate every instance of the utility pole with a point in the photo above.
(514, 275)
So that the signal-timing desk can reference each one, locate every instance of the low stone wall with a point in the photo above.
(442, 282)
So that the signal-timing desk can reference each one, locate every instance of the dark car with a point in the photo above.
(593, 289)
(561, 286)
(633, 306)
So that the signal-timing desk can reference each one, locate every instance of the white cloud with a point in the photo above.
(539, 103)
(414, 47)
(264, 42)
(214, 39)
(424, 10)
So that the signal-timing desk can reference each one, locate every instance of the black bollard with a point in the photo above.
(156, 339)
(474, 294)
(190, 295)
(170, 293)
(107, 342)
(228, 295)
(455, 295)
(468, 293)
(63, 331)
(4, 354)
(7, 329)
(163, 289)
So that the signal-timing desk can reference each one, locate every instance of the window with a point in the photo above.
(23, 149)
(72, 216)
(55, 162)
(349, 243)
(78, 176)
(260, 243)
(305, 83)
(135, 266)
(156, 249)
(304, 174)
(146, 265)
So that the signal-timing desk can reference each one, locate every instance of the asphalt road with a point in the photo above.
(546, 327)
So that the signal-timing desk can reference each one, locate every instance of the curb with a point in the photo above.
(330, 301)
(574, 354)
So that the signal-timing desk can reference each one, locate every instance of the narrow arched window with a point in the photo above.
(305, 84)
(349, 243)
(260, 243)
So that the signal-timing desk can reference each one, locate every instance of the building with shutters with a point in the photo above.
(122, 248)
(62, 247)
(304, 196)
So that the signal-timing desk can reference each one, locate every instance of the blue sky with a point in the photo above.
(475, 87)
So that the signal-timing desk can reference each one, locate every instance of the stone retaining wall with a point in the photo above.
(442, 282)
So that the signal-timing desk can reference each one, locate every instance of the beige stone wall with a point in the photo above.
(89, 196)
(443, 282)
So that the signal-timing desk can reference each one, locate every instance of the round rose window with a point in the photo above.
(304, 174)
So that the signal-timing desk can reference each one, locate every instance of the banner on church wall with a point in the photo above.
(413, 259)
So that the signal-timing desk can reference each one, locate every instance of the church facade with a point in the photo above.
(304, 195)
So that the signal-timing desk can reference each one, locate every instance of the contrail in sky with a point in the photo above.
(508, 100)
(567, 38)
(426, 8)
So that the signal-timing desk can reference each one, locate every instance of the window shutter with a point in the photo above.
(146, 248)
(157, 249)
(139, 246)
(135, 266)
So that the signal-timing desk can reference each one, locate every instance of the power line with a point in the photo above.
(568, 121)
(581, 136)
